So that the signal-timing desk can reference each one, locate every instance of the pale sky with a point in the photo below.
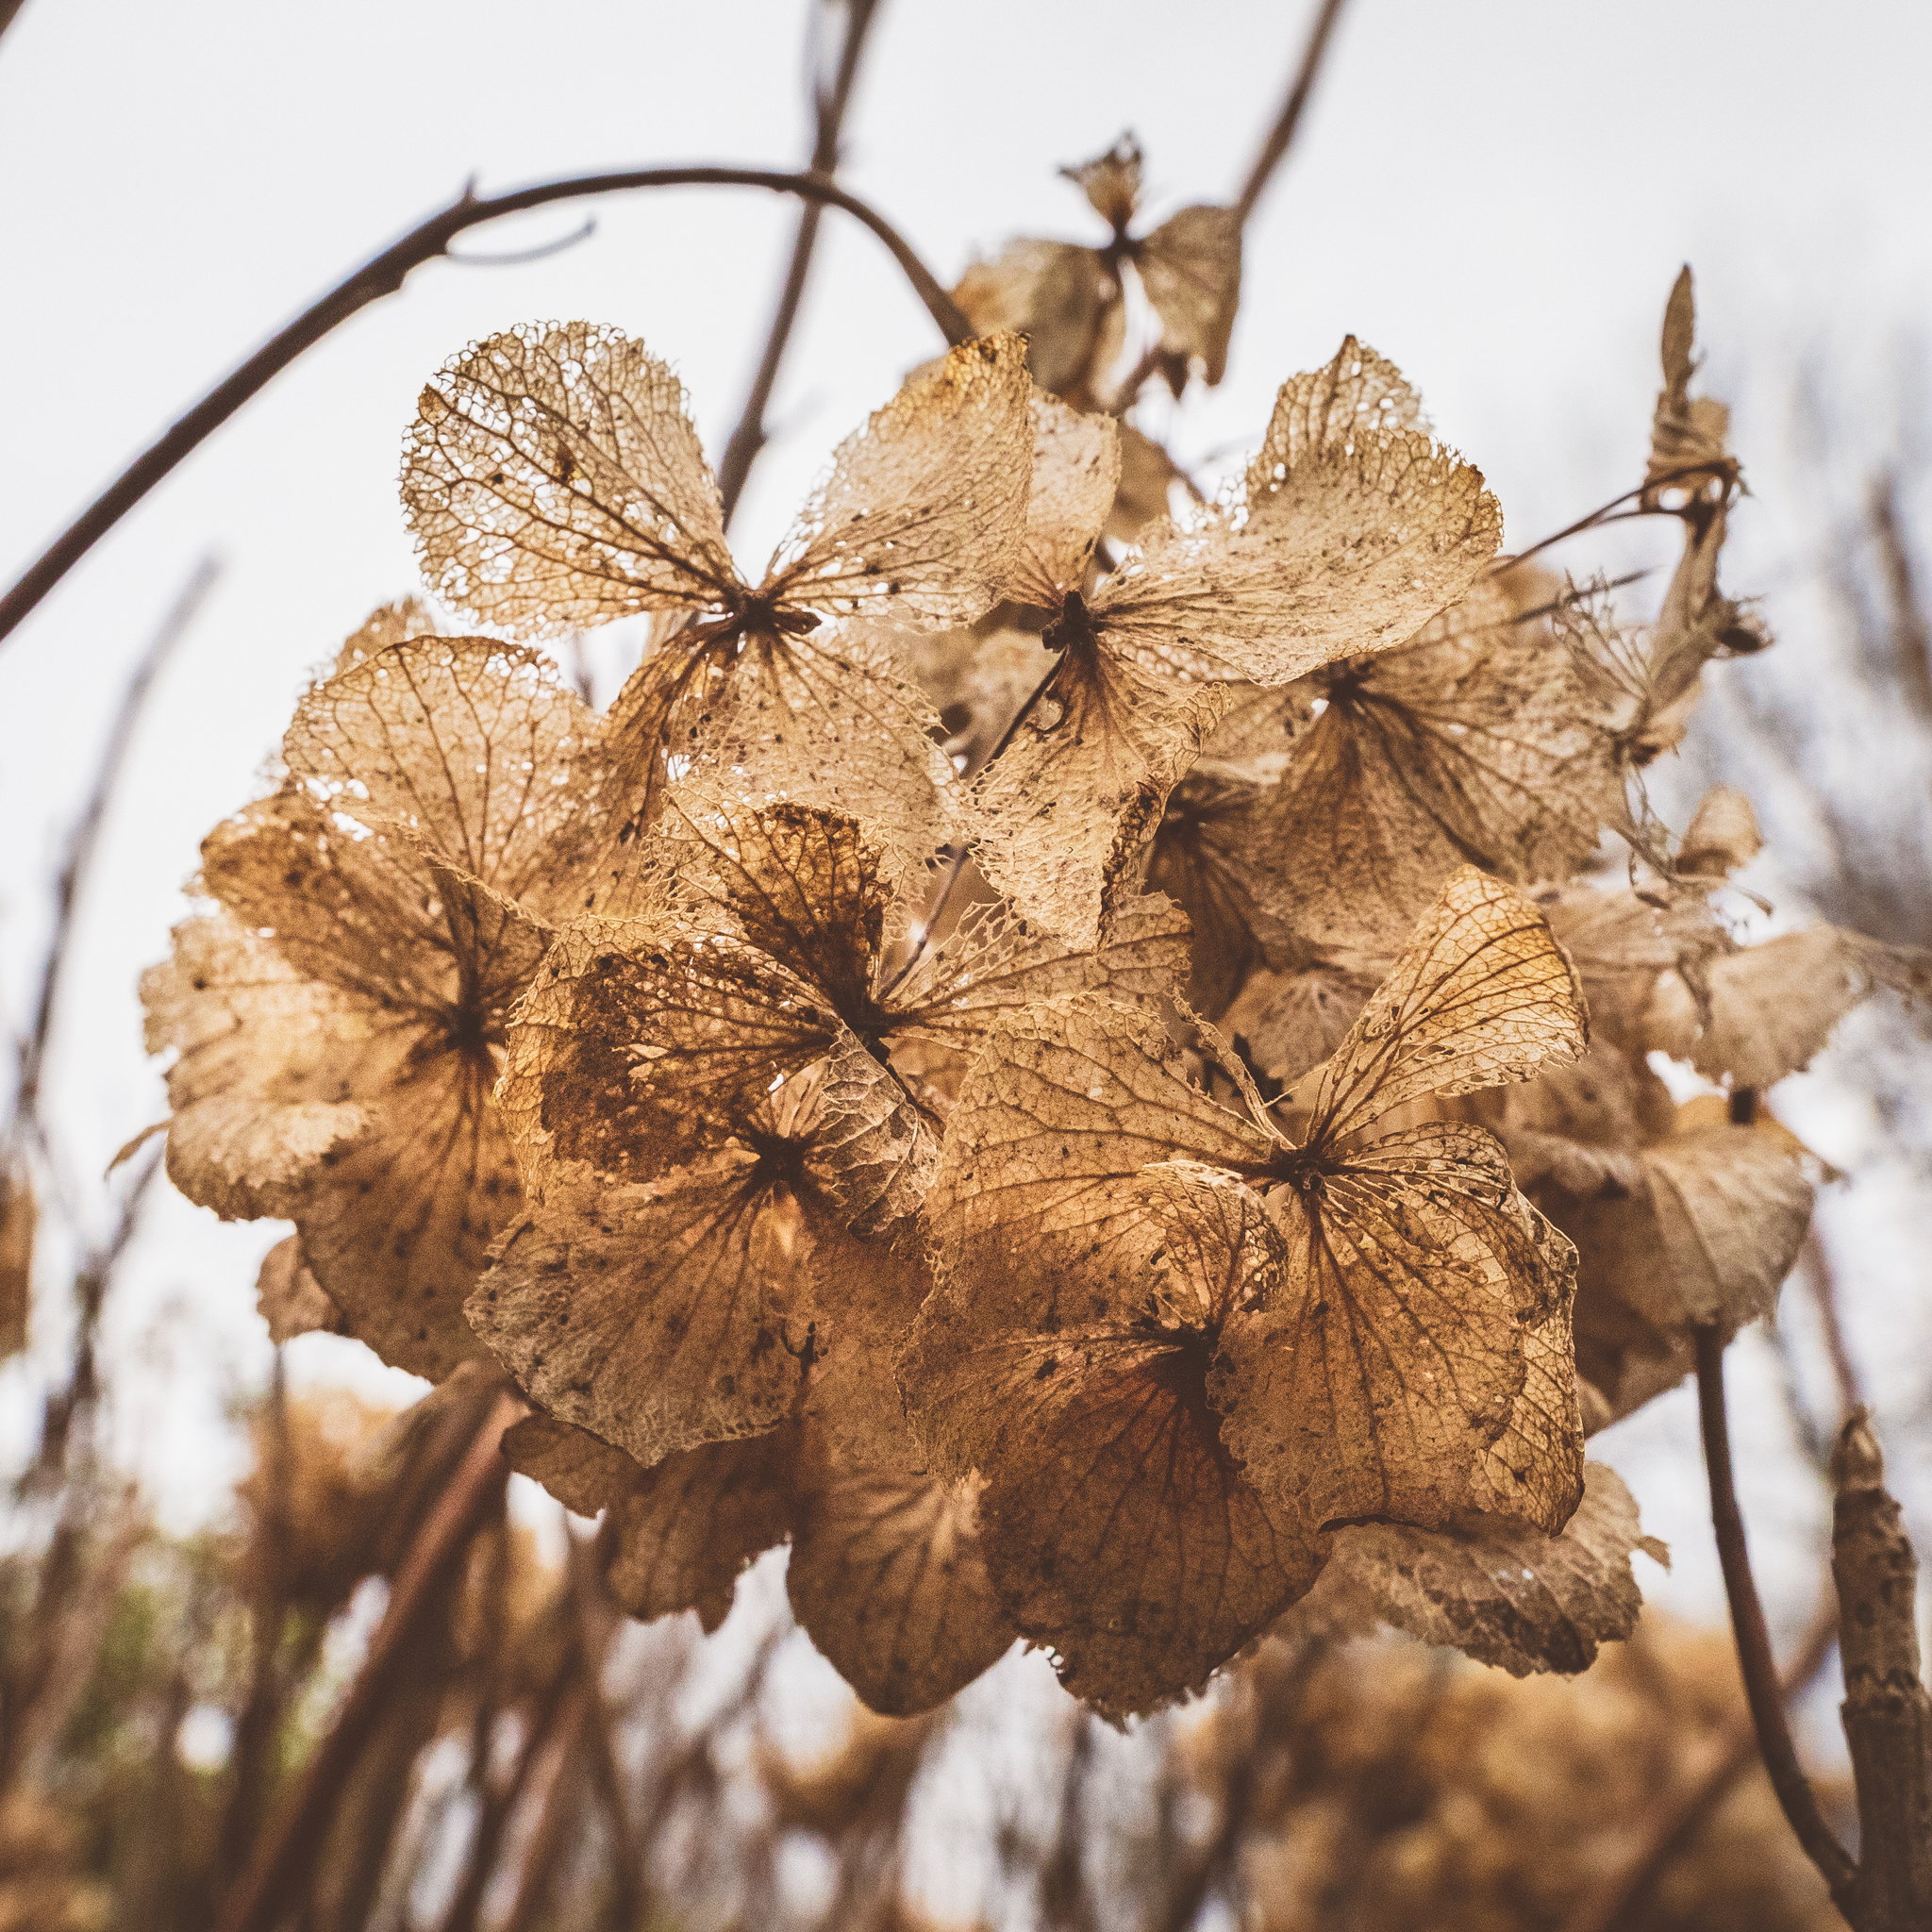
(1496, 196)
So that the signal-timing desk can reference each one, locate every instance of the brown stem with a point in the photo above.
(1911, 628)
(1282, 133)
(383, 274)
(283, 1861)
(748, 439)
(1887, 1714)
(1761, 1690)
(1680, 1814)
(85, 836)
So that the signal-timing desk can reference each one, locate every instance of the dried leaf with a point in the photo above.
(1688, 436)
(1076, 470)
(1360, 400)
(888, 1579)
(1061, 297)
(340, 1031)
(925, 509)
(867, 1294)
(1199, 858)
(1763, 1012)
(290, 1299)
(473, 751)
(1473, 744)
(1148, 474)
(1502, 1592)
(1112, 181)
(659, 1314)
(1701, 1227)
(1415, 1362)
(1284, 1024)
(1483, 996)
(1062, 815)
(825, 720)
(1721, 838)
(555, 481)
(1063, 1355)
(684, 1528)
(1190, 267)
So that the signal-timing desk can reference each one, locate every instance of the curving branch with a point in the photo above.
(1762, 1690)
(384, 274)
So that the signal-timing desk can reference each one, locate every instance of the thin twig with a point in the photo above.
(1761, 1690)
(284, 1858)
(1680, 1814)
(1282, 133)
(384, 274)
(517, 258)
(83, 840)
(828, 108)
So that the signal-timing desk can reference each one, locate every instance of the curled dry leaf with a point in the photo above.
(1190, 268)
(1502, 1592)
(290, 1299)
(1698, 1227)
(555, 481)
(1473, 743)
(684, 1529)
(1720, 839)
(888, 1579)
(1348, 540)
(1267, 1337)
(1757, 1014)
(339, 1025)
(1689, 458)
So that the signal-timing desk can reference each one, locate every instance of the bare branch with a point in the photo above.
(284, 1858)
(384, 274)
(1282, 133)
(1762, 1688)
(85, 837)
(829, 106)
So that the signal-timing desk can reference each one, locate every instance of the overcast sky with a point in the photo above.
(1496, 196)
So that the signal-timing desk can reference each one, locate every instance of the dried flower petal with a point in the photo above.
(659, 1314)
(1190, 267)
(925, 509)
(684, 1528)
(888, 1579)
(554, 479)
(1503, 1594)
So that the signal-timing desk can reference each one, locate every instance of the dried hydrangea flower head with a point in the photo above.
(1353, 528)
(1164, 1325)
(555, 481)
(1070, 300)
(340, 1022)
